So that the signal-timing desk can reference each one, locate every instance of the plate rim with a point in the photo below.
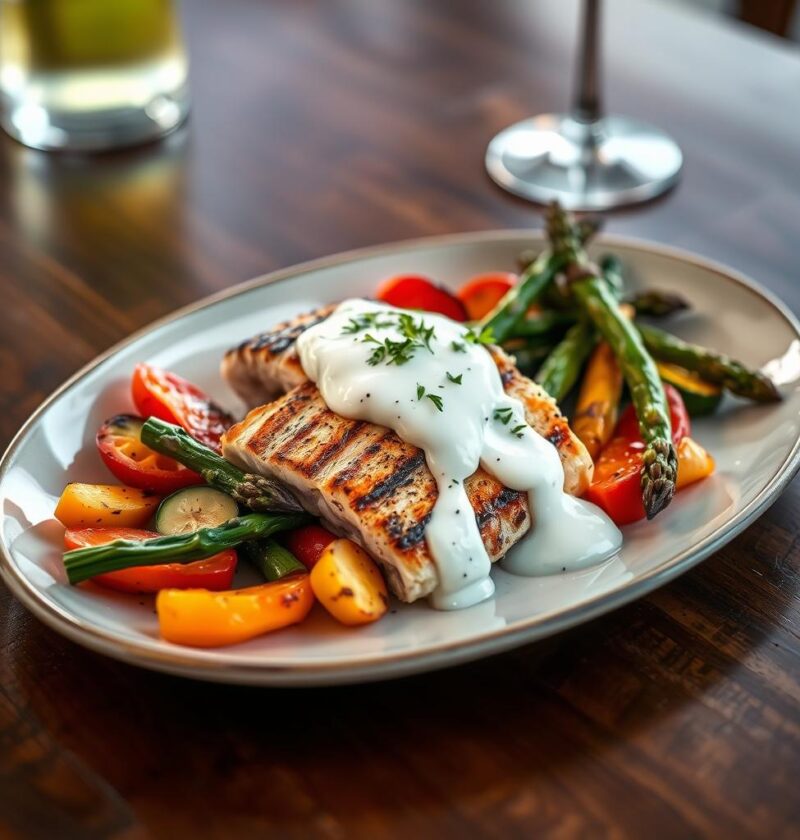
(192, 663)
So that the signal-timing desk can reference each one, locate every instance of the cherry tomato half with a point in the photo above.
(412, 291)
(159, 393)
(308, 543)
(133, 463)
(214, 573)
(482, 293)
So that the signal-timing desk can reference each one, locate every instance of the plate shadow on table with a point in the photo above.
(547, 736)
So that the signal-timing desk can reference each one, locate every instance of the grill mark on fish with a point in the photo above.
(403, 475)
(414, 535)
(494, 506)
(334, 448)
(266, 433)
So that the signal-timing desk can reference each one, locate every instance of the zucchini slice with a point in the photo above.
(700, 397)
(192, 508)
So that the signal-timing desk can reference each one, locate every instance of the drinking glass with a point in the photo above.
(585, 159)
(87, 75)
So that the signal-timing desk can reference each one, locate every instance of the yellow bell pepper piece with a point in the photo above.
(349, 585)
(694, 463)
(105, 506)
(201, 618)
(598, 400)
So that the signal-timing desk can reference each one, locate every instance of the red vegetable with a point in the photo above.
(616, 486)
(134, 464)
(481, 294)
(411, 291)
(215, 573)
(308, 543)
(628, 425)
(159, 393)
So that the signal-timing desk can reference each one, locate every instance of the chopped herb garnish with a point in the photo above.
(363, 321)
(458, 346)
(436, 400)
(503, 415)
(485, 336)
(416, 336)
(517, 430)
(456, 380)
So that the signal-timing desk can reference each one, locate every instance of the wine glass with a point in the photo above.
(585, 159)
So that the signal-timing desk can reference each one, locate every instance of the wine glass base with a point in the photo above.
(599, 165)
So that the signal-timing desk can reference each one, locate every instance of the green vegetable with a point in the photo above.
(699, 397)
(657, 304)
(563, 366)
(544, 326)
(84, 563)
(519, 298)
(191, 508)
(596, 299)
(272, 559)
(611, 266)
(710, 365)
(252, 491)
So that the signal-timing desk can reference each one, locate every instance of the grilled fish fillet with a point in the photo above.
(367, 484)
(267, 365)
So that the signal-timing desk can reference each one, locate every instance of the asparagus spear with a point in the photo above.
(611, 266)
(657, 304)
(543, 326)
(516, 302)
(660, 463)
(84, 563)
(650, 302)
(252, 491)
(271, 559)
(710, 365)
(562, 367)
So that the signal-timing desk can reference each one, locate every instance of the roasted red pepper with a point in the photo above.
(411, 291)
(616, 486)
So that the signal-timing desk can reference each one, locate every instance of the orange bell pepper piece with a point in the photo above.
(200, 618)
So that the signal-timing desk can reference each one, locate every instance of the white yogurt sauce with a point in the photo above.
(447, 399)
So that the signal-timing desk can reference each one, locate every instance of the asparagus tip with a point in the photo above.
(659, 473)
(769, 391)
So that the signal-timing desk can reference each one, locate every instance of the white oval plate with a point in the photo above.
(757, 450)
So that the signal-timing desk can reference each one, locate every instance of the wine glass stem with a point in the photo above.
(587, 107)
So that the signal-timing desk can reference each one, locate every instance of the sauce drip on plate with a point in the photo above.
(433, 382)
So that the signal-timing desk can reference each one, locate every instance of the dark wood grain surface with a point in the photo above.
(321, 125)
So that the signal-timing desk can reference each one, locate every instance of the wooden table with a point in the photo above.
(328, 124)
